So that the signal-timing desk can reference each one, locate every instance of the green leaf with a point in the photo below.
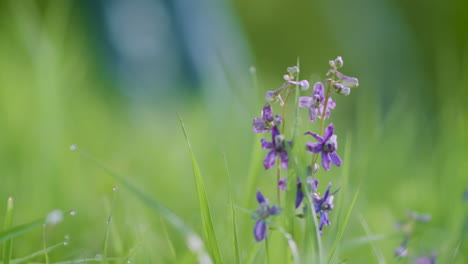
(342, 229)
(207, 221)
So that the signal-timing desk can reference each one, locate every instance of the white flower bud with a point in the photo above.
(339, 62)
(270, 96)
(304, 84)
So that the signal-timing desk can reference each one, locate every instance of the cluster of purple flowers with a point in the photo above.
(319, 107)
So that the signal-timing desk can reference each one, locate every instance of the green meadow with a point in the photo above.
(137, 189)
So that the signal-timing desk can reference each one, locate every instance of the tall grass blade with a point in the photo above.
(375, 248)
(19, 230)
(207, 221)
(342, 229)
(233, 213)
(98, 259)
(252, 174)
(194, 243)
(44, 244)
(108, 227)
(26, 259)
(7, 248)
(169, 241)
(292, 245)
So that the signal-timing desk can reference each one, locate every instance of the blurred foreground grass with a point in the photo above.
(51, 97)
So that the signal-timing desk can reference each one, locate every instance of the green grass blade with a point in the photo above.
(375, 248)
(108, 227)
(37, 253)
(88, 260)
(207, 221)
(233, 213)
(194, 243)
(342, 229)
(7, 249)
(44, 244)
(19, 230)
(252, 174)
(169, 241)
(292, 245)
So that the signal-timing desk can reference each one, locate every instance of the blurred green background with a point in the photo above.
(110, 76)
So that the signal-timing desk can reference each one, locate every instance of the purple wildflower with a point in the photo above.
(262, 213)
(313, 184)
(327, 146)
(427, 260)
(282, 183)
(278, 148)
(267, 121)
(401, 252)
(323, 205)
(316, 103)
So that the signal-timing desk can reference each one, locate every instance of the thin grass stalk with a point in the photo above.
(233, 213)
(7, 249)
(108, 227)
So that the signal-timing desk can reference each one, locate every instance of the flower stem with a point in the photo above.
(322, 119)
(267, 251)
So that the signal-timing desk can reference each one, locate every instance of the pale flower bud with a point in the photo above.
(304, 84)
(270, 96)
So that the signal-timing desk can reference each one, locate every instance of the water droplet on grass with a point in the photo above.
(73, 147)
(115, 188)
(73, 212)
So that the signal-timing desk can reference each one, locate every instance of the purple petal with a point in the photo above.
(335, 159)
(313, 183)
(313, 114)
(326, 160)
(319, 90)
(327, 193)
(305, 101)
(317, 137)
(324, 220)
(284, 159)
(282, 184)
(267, 113)
(331, 104)
(259, 125)
(270, 159)
(274, 133)
(299, 195)
(314, 147)
(260, 230)
(266, 144)
(274, 210)
(328, 132)
(260, 198)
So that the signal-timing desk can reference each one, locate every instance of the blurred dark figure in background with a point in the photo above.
(157, 47)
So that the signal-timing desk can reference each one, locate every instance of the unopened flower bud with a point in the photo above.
(401, 252)
(347, 81)
(316, 168)
(286, 77)
(332, 64)
(270, 96)
(341, 89)
(293, 71)
(304, 84)
(338, 62)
